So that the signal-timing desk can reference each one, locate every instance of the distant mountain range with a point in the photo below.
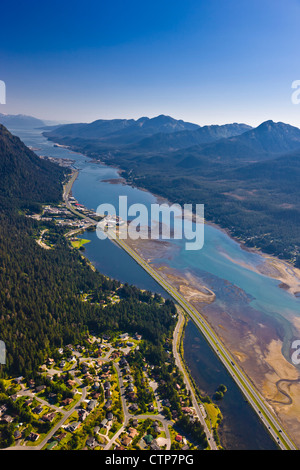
(124, 131)
(164, 134)
(20, 121)
(186, 138)
(263, 142)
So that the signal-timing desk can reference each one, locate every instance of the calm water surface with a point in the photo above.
(213, 265)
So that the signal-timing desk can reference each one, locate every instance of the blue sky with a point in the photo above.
(209, 62)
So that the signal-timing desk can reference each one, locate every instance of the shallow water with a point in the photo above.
(220, 265)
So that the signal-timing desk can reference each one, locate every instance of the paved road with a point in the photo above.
(200, 413)
(128, 415)
(254, 398)
(66, 415)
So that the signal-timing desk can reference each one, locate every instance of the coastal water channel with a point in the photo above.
(215, 265)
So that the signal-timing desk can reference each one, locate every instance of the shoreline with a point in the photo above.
(161, 199)
(177, 348)
(275, 267)
(283, 276)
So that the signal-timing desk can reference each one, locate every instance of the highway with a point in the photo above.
(255, 399)
(199, 409)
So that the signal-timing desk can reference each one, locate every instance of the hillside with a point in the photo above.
(162, 142)
(41, 306)
(120, 131)
(20, 121)
(24, 177)
(265, 141)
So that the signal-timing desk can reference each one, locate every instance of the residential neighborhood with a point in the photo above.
(100, 395)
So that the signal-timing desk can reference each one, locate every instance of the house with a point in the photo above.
(123, 361)
(52, 397)
(82, 414)
(132, 396)
(52, 445)
(96, 385)
(134, 407)
(61, 436)
(66, 401)
(48, 417)
(40, 388)
(70, 383)
(166, 402)
(96, 430)
(151, 407)
(126, 441)
(124, 336)
(7, 418)
(106, 385)
(132, 432)
(73, 426)
(18, 380)
(109, 416)
(156, 428)
(31, 383)
(91, 405)
(88, 378)
(17, 434)
(103, 423)
(91, 442)
(154, 445)
(33, 436)
(107, 405)
(38, 409)
(178, 438)
(3, 409)
(115, 354)
(186, 410)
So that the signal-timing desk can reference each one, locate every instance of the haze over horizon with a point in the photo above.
(203, 62)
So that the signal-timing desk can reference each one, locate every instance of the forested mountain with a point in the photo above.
(162, 142)
(249, 182)
(40, 295)
(264, 142)
(121, 131)
(24, 177)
